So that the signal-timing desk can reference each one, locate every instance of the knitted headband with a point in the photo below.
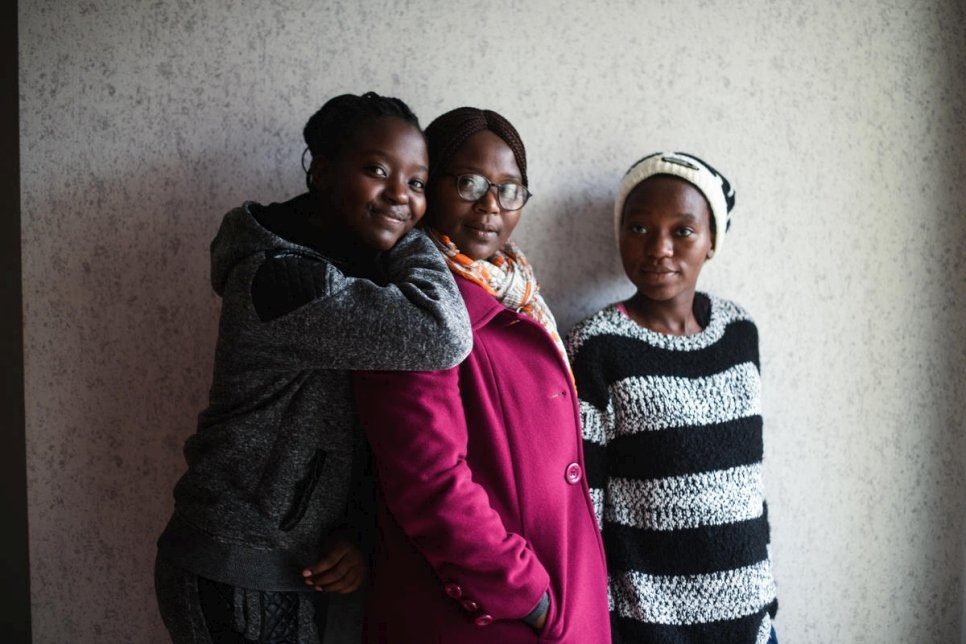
(714, 187)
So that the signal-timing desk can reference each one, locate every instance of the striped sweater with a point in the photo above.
(673, 446)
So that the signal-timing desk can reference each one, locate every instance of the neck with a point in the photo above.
(670, 317)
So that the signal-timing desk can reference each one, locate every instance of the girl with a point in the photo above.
(487, 531)
(669, 397)
(329, 281)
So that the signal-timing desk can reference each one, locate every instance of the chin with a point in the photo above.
(476, 251)
(382, 241)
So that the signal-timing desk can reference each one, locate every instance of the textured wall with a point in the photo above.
(841, 125)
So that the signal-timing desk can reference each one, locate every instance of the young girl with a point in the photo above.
(669, 397)
(332, 280)
(487, 531)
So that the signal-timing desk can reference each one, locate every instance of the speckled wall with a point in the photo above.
(841, 125)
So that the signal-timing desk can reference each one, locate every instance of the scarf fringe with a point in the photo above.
(508, 277)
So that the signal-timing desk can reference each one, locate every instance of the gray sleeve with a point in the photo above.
(416, 322)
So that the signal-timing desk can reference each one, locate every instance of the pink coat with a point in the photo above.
(484, 505)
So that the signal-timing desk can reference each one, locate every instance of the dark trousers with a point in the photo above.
(196, 610)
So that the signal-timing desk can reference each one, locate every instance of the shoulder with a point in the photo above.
(480, 305)
(727, 311)
(606, 322)
(734, 329)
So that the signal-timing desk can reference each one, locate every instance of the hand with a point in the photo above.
(341, 569)
(540, 622)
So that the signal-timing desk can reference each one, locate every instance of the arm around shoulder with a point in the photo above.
(329, 320)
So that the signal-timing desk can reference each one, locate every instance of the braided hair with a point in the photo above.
(338, 120)
(449, 131)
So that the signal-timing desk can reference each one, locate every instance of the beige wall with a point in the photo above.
(841, 125)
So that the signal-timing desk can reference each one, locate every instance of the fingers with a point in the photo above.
(343, 578)
(330, 559)
(346, 584)
(341, 570)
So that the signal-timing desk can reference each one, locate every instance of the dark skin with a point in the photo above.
(375, 191)
(665, 238)
(341, 569)
(480, 228)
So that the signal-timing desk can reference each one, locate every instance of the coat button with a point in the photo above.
(453, 590)
(573, 473)
(483, 620)
(470, 606)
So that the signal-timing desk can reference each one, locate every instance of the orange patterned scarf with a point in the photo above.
(508, 277)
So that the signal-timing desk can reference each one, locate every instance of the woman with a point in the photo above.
(487, 530)
(332, 280)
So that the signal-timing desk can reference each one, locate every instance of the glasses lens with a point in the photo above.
(512, 196)
(471, 186)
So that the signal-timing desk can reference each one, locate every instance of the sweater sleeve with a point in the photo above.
(596, 416)
(416, 321)
(416, 426)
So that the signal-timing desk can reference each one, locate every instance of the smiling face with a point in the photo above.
(478, 228)
(665, 238)
(375, 189)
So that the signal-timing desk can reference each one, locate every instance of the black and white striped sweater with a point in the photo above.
(673, 447)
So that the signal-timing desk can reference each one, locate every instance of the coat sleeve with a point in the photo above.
(416, 425)
(416, 321)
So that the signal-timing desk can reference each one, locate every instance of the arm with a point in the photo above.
(344, 562)
(416, 425)
(597, 426)
(596, 416)
(333, 321)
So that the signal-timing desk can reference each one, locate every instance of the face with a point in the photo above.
(376, 188)
(665, 238)
(482, 227)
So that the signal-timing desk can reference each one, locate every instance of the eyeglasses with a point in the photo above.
(472, 187)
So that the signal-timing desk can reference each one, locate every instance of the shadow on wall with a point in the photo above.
(125, 294)
(956, 356)
(577, 260)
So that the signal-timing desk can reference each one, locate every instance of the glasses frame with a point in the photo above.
(526, 191)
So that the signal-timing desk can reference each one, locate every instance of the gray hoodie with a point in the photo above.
(270, 466)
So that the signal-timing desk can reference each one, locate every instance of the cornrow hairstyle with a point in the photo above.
(449, 131)
(338, 120)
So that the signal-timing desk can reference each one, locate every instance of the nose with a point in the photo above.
(489, 201)
(396, 190)
(660, 245)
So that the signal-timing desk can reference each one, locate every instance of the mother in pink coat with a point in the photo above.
(486, 528)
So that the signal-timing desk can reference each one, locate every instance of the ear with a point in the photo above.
(320, 172)
(710, 253)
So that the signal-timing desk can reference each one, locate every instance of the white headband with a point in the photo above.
(715, 188)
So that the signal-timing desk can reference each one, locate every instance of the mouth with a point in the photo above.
(481, 231)
(658, 274)
(394, 217)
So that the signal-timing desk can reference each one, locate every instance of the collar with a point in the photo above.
(481, 306)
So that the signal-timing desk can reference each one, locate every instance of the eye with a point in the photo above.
(470, 182)
(376, 171)
(471, 186)
(417, 184)
(685, 232)
(637, 229)
(509, 191)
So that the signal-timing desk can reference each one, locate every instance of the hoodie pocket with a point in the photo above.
(303, 491)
